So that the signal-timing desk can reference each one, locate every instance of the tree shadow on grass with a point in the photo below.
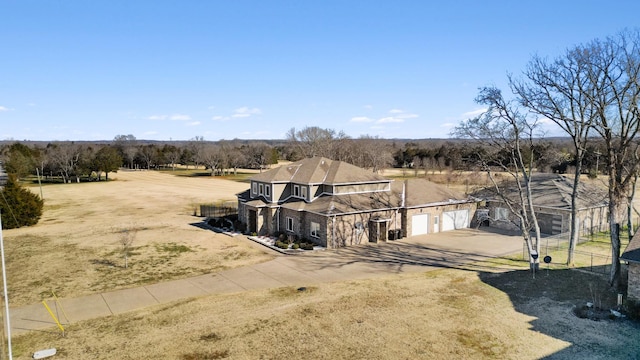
(551, 298)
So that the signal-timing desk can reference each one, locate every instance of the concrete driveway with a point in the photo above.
(453, 249)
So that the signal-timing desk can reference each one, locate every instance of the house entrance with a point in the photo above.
(253, 221)
(378, 229)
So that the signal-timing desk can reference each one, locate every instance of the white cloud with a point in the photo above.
(390, 119)
(245, 112)
(406, 116)
(360, 119)
(194, 123)
(219, 118)
(180, 117)
(447, 125)
(2, 108)
(401, 114)
(174, 117)
(32, 104)
(368, 107)
(150, 132)
(473, 113)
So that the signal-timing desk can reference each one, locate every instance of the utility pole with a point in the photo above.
(7, 320)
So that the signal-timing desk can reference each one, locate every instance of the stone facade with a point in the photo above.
(552, 221)
(633, 289)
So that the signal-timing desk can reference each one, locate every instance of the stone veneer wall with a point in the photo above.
(633, 290)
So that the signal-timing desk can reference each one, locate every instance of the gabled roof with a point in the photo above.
(319, 170)
(632, 252)
(347, 204)
(421, 192)
(554, 191)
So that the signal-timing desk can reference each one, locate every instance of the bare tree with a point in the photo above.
(128, 145)
(212, 157)
(557, 90)
(126, 237)
(66, 157)
(314, 141)
(616, 63)
(503, 128)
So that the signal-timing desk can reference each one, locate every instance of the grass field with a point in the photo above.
(495, 313)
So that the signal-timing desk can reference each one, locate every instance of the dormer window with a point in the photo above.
(254, 188)
(267, 191)
(296, 190)
(261, 189)
(304, 192)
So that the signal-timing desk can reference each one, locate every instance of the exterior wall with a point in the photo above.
(433, 211)
(590, 219)
(338, 231)
(633, 290)
(280, 192)
(354, 229)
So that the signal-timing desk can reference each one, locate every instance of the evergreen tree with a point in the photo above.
(19, 206)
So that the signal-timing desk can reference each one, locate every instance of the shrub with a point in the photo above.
(282, 245)
(306, 246)
(19, 206)
(295, 246)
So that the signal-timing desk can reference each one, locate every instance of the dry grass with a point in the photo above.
(440, 315)
(437, 315)
(75, 249)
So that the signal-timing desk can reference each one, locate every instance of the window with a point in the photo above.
(501, 214)
(290, 224)
(261, 187)
(254, 188)
(296, 190)
(315, 229)
(267, 190)
(304, 192)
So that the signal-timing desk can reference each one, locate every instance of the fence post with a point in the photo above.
(591, 262)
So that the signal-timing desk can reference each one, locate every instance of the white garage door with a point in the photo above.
(452, 220)
(419, 224)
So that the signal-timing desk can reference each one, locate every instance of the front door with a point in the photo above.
(253, 221)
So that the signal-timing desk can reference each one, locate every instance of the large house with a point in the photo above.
(335, 204)
(551, 195)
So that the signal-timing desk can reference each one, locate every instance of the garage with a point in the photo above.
(458, 219)
(419, 224)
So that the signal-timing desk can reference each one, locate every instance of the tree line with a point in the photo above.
(81, 161)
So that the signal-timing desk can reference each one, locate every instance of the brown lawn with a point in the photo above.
(75, 250)
(444, 314)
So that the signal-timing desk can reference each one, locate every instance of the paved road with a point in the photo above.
(458, 249)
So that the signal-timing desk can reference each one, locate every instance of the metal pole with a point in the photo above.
(7, 320)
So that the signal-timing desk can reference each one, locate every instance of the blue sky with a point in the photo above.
(161, 70)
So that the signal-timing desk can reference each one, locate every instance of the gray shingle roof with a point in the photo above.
(632, 252)
(319, 170)
(553, 190)
(421, 192)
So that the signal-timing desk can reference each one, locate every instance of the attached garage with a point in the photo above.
(457, 219)
(419, 224)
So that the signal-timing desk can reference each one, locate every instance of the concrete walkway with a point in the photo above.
(457, 249)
